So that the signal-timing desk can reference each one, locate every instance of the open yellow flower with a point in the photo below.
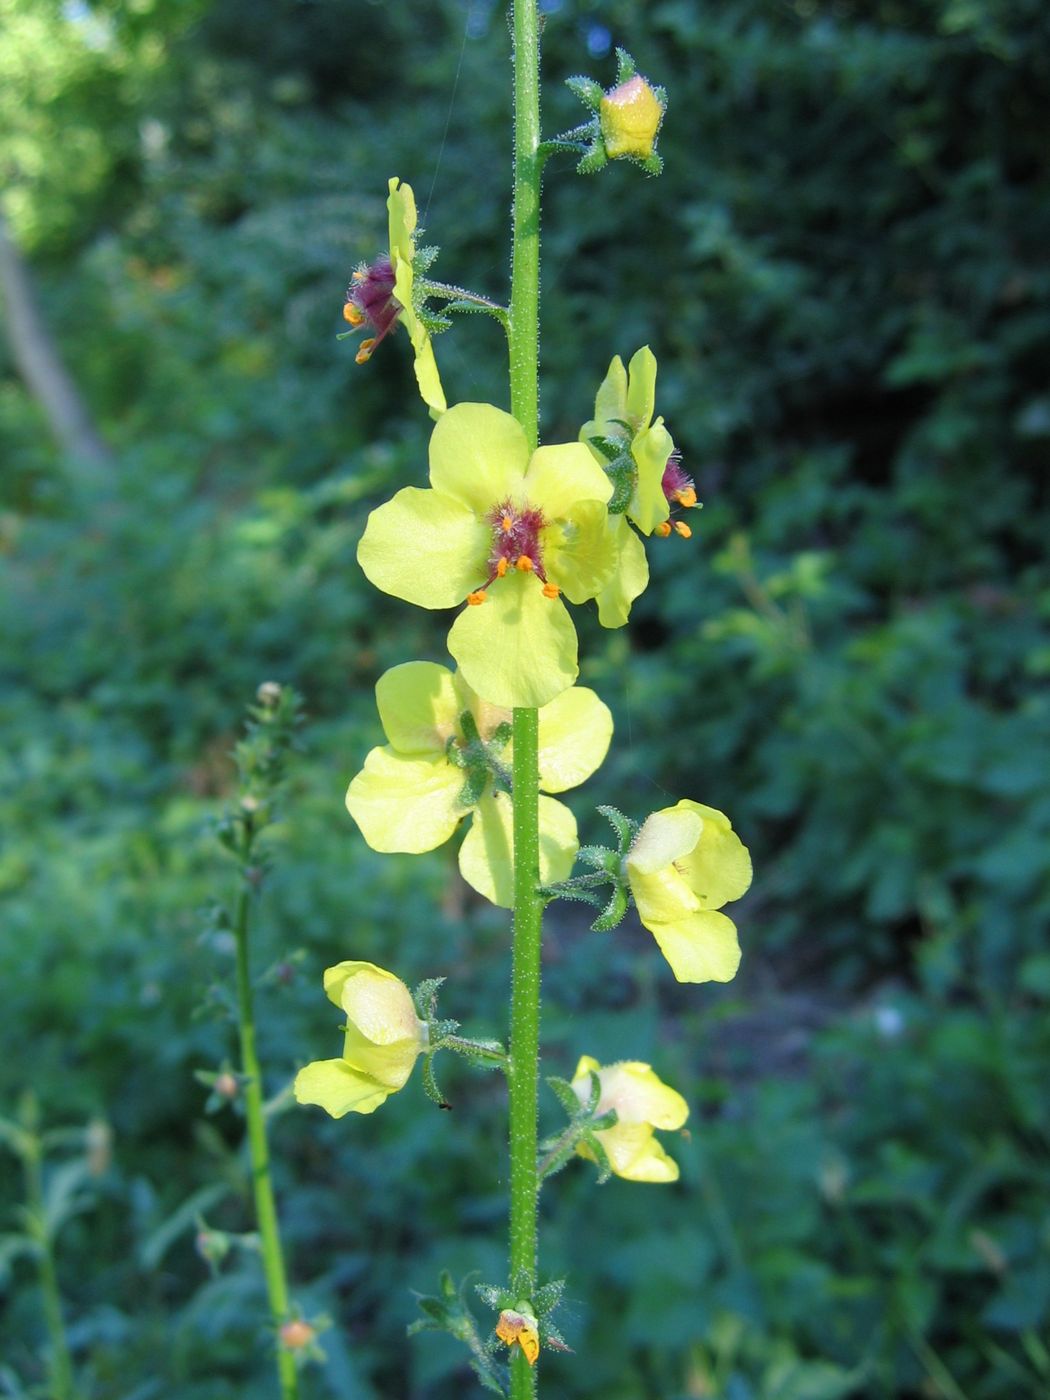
(684, 864)
(507, 531)
(642, 1102)
(411, 795)
(383, 1038)
(381, 294)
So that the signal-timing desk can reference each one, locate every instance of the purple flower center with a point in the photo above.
(515, 540)
(370, 294)
(677, 483)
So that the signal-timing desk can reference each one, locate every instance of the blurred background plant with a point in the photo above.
(844, 274)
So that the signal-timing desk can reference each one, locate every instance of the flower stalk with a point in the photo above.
(258, 1146)
(63, 1386)
(523, 1057)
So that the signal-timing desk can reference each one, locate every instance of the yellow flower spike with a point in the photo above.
(643, 1102)
(409, 796)
(383, 1039)
(685, 863)
(521, 1328)
(630, 115)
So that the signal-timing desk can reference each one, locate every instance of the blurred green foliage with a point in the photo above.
(844, 274)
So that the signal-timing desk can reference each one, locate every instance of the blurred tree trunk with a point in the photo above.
(40, 365)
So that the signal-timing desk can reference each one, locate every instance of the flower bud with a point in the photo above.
(296, 1334)
(630, 116)
(269, 694)
(226, 1085)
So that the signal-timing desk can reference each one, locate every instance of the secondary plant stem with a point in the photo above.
(265, 1206)
(523, 1065)
(61, 1362)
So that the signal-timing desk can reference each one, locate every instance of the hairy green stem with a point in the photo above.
(523, 335)
(62, 1383)
(265, 1206)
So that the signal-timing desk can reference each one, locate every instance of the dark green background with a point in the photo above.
(844, 275)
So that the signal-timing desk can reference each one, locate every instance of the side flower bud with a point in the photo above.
(384, 1036)
(630, 116)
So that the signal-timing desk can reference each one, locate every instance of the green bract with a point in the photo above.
(684, 864)
(383, 1038)
(642, 1102)
(623, 415)
(401, 208)
(446, 748)
(508, 532)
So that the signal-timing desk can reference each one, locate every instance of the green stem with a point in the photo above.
(265, 1206)
(523, 1062)
(523, 336)
(63, 1387)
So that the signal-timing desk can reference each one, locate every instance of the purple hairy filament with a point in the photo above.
(678, 488)
(370, 301)
(515, 545)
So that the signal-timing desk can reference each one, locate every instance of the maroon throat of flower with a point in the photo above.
(370, 301)
(515, 545)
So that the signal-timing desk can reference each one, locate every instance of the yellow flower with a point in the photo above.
(642, 1102)
(520, 1327)
(383, 1038)
(410, 796)
(631, 115)
(381, 294)
(684, 864)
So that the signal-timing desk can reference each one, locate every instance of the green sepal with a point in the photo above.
(430, 1084)
(610, 448)
(501, 735)
(599, 857)
(587, 90)
(626, 68)
(594, 160)
(477, 779)
(424, 259)
(613, 912)
(625, 829)
(565, 1094)
(450, 1313)
(425, 997)
(601, 1157)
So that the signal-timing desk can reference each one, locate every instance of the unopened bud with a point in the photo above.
(98, 1140)
(269, 694)
(226, 1085)
(630, 118)
(212, 1246)
(296, 1334)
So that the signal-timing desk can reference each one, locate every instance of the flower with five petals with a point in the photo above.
(507, 531)
(684, 864)
(446, 749)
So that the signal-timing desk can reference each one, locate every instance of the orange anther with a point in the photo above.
(353, 315)
(475, 598)
(663, 529)
(681, 528)
(360, 275)
(507, 524)
(524, 563)
(551, 590)
(364, 351)
(501, 567)
(686, 497)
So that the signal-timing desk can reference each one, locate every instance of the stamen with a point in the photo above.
(663, 529)
(360, 274)
(353, 315)
(364, 351)
(551, 590)
(506, 524)
(475, 598)
(686, 497)
(501, 567)
(681, 528)
(525, 564)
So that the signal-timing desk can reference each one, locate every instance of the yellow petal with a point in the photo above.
(418, 707)
(338, 1089)
(425, 547)
(718, 868)
(574, 733)
(701, 947)
(665, 836)
(562, 475)
(486, 857)
(478, 456)
(402, 803)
